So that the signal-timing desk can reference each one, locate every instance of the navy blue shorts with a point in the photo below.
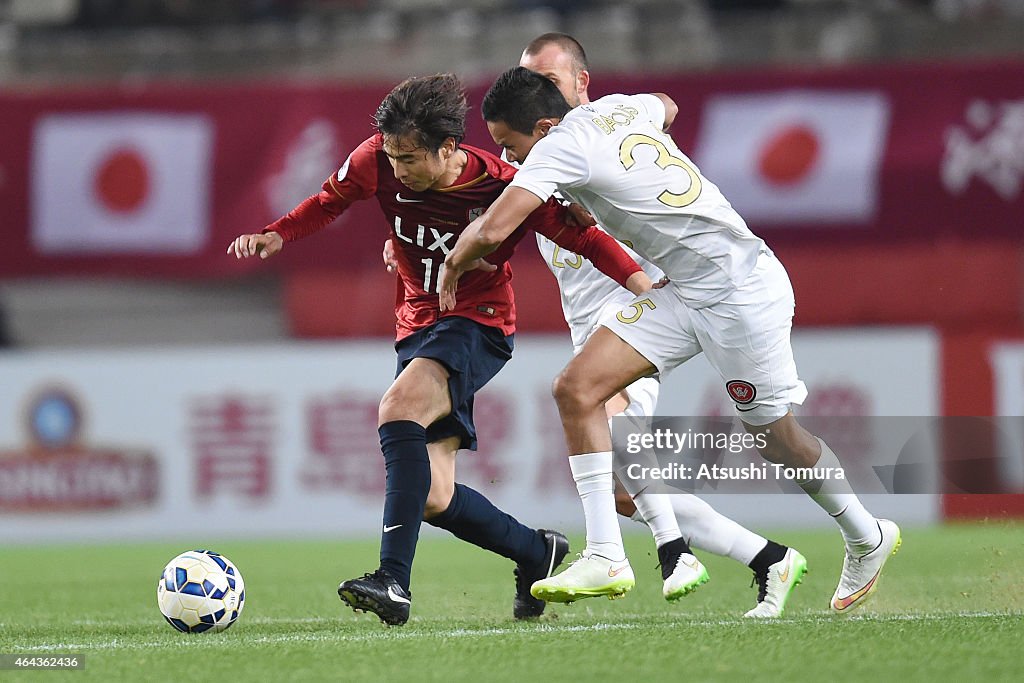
(472, 353)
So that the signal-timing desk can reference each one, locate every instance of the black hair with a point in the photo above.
(429, 108)
(521, 97)
(566, 42)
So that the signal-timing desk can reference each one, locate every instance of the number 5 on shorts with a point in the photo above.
(638, 310)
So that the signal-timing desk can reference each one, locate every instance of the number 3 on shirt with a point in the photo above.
(664, 160)
(638, 310)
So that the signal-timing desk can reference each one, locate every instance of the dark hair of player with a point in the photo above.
(521, 97)
(430, 109)
(568, 44)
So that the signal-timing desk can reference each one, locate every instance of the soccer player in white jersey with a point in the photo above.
(727, 296)
(589, 296)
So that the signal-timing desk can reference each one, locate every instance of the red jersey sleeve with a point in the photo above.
(355, 180)
(595, 245)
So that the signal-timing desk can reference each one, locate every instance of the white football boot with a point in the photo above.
(776, 586)
(589, 576)
(680, 569)
(861, 571)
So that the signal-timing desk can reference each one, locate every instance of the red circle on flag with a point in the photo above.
(789, 155)
(122, 180)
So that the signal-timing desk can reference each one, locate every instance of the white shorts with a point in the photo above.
(643, 397)
(745, 338)
(643, 393)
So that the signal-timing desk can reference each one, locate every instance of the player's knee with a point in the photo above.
(562, 391)
(393, 406)
(571, 391)
(403, 403)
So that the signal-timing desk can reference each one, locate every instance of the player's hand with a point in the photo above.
(263, 244)
(389, 256)
(661, 283)
(446, 293)
(577, 215)
(450, 280)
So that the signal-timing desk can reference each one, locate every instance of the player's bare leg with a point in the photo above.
(869, 541)
(442, 476)
(419, 393)
(604, 367)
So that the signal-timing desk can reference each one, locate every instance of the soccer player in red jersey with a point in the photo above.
(430, 187)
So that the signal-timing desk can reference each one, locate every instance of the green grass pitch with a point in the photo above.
(950, 606)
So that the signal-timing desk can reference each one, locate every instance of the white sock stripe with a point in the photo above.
(587, 465)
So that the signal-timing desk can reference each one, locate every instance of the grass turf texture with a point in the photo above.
(950, 606)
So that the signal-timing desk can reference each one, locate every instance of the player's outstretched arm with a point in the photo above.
(263, 244)
(484, 235)
(356, 180)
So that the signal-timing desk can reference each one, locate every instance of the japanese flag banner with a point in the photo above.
(120, 183)
(796, 156)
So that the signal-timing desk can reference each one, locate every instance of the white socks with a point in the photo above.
(592, 473)
(860, 530)
(707, 529)
(656, 510)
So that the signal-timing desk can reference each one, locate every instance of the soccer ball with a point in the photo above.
(200, 590)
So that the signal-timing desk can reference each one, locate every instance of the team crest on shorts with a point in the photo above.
(741, 391)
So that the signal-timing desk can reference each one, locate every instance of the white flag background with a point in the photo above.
(796, 156)
(121, 183)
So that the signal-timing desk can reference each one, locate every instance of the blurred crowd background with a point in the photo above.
(82, 39)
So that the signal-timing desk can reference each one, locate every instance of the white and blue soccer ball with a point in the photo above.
(199, 591)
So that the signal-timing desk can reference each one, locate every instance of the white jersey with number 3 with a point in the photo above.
(586, 292)
(612, 157)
